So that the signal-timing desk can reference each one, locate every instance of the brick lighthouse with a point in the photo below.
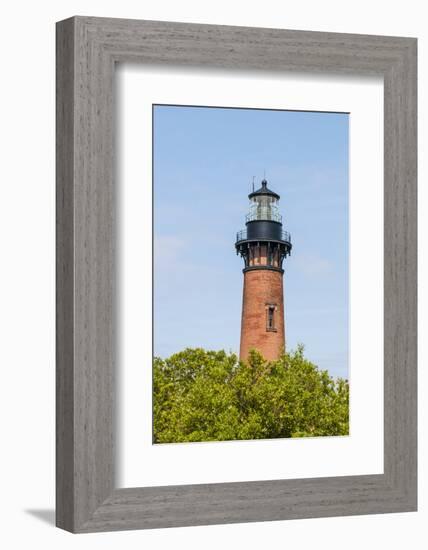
(263, 245)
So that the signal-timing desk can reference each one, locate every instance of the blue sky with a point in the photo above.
(204, 161)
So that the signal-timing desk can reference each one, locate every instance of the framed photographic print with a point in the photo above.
(236, 274)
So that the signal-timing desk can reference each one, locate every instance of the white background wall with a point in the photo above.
(27, 272)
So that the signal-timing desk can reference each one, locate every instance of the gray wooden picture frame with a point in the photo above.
(87, 51)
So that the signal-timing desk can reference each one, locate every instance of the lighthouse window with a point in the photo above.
(270, 321)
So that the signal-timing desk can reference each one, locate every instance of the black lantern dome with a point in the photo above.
(264, 191)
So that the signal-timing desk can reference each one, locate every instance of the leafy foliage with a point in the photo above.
(204, 395)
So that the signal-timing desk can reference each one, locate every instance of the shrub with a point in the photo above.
(204, 395)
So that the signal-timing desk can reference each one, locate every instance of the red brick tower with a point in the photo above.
(263, 245)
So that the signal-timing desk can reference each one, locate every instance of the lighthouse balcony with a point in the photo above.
(243, 236)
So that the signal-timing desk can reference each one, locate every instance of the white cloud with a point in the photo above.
(168, 250)
(312, 265)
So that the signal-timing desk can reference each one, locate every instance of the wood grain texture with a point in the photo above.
(64, 277)
(87, 49)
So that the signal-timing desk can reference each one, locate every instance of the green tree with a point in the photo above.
(204, 395)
